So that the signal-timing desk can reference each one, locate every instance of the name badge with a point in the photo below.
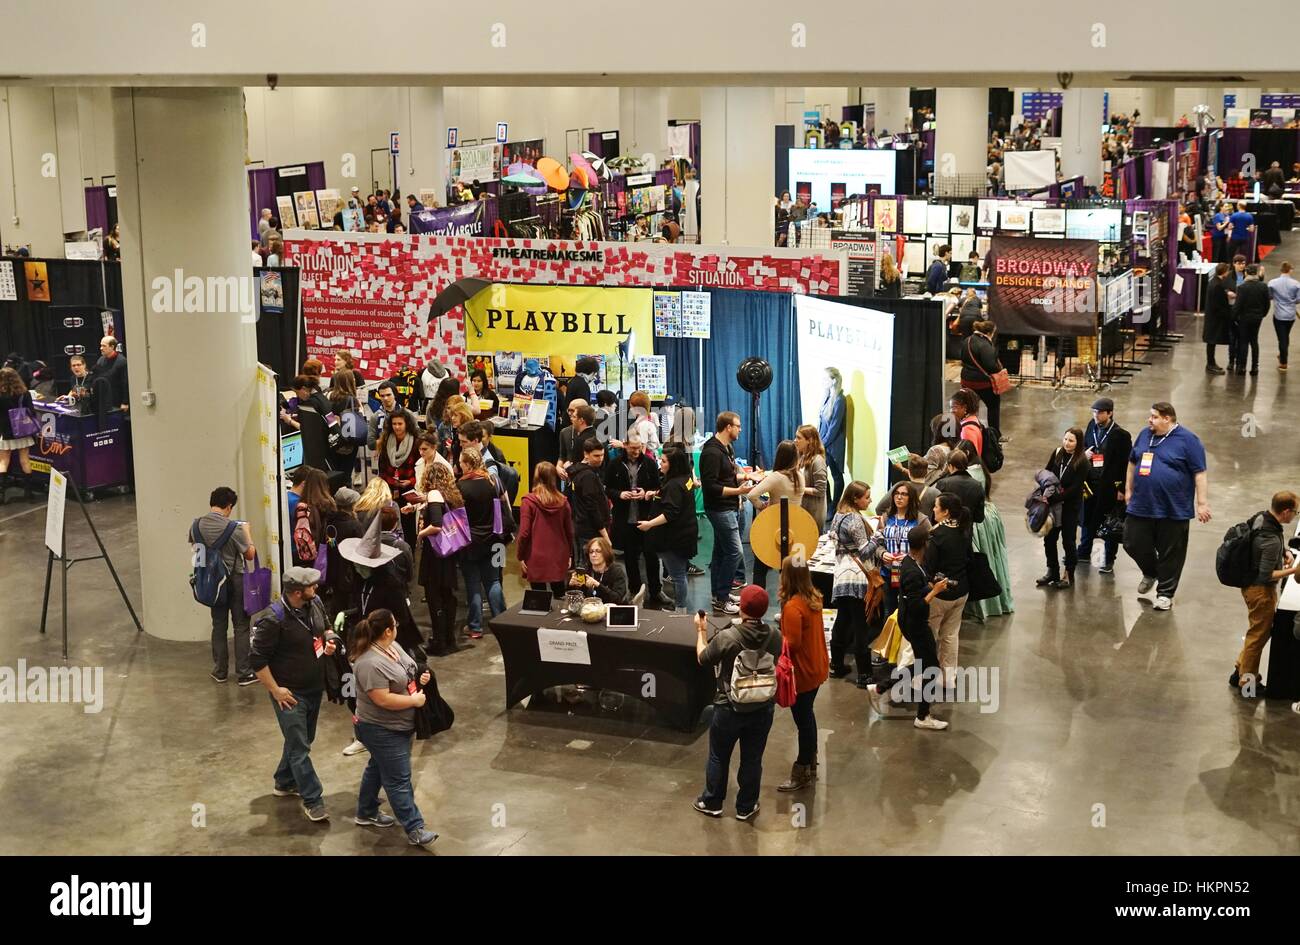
(318, 645)
(1144, 467)
(410, 688)
(1098, 460)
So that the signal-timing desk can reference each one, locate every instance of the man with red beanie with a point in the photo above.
(743, 655)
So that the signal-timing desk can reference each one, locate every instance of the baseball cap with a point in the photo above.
(753, 601)
(1104, 403)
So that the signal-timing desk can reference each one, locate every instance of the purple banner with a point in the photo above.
(465, 220)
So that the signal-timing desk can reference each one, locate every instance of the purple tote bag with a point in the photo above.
(454, 535)
(257, 588)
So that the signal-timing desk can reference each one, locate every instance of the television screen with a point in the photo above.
(291, 451)
(856, 171)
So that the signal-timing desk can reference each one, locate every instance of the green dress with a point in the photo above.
(990, 537)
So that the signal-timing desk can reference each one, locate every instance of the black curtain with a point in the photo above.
(784, 142)
(27, 326)
(918, 366)
(1273, 144)
(1002, 105)
(282, 338)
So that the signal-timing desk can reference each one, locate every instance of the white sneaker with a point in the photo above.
(355, 748)
(730, 607)
(873, 694)
(1163, 603)
(930, 723)
(1145, 585)
(1295, 707)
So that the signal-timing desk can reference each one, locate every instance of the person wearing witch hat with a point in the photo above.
(380, 583)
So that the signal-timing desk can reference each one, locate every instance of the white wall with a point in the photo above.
(684, 103)
(27, 135)
(297, 125)
(532, 112)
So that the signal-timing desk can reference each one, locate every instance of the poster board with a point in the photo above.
(480, 163)
(1029, 170)
(1043, 286)
(859, 342)
(55, 505)
(288, 216)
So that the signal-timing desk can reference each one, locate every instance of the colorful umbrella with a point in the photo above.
(580, 163)
(578, 180)
(597, 164)
(525, 176)
(555, 176)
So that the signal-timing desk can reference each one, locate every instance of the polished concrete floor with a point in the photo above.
(1115, 734)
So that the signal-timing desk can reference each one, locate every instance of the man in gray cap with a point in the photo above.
(290, 640)
(1107, 446)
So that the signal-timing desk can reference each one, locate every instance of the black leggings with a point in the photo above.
(442, 616)
(994, 404)
(558, 588)
(926, 653)
(806, 723)
(850, 634)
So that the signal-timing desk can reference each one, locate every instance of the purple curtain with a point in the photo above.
(97, 209)
(927, 145)
(261, 193)
(316, 175)
(695, 147)
(593, 143)
(1142, 137)
(1129, 169)
(1234, 144)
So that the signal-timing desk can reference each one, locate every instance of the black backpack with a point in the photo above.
(992, 453)
(1234, 562)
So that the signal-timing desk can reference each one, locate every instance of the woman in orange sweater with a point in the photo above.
(803, 631)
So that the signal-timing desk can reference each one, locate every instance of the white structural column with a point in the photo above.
(737, 176)
(1081, 134)
(893, 107)
(182, 198)
(642, 123)
(961, 135)
(422, 141)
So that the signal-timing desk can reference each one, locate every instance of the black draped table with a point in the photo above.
(656, 665)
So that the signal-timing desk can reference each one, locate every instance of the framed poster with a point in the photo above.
(914, 256)
(288, 217)
(988, 215)
(1048, 221)
(915, 216)
(885, 213)
(697, 315)
(936, 219)
(304, 201)
(962, 245)
(982, 245)
(668, 314)
(652, 375)
(963, 219)
(932, 244)
(329, 202)
(8, 285)
(1015, 217)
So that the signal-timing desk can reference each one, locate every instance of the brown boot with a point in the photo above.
(800, 777)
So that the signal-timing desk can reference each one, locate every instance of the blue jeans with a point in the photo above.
(727, 728)
(389, 766)
(480, 576)
(727, 557)
(230, 607)
(298, 725)
(676, 566)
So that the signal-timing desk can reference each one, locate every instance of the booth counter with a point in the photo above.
(524, 447)
(94, 456)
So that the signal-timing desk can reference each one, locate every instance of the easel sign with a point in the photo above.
(56, 532)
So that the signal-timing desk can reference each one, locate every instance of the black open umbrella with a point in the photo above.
(455, 294)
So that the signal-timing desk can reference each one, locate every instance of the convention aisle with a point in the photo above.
(1107, 712)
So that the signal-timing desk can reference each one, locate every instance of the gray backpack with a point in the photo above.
(753, 678)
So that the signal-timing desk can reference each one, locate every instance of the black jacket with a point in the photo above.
(718, 470)
(577, 389)
(617, 482)
(1252, 301)
(1218, 312)
(964, 487)
(1072, 477)
(1116, 445)
(948, 553)
(287, 647)
(613, 585)
(680, 532)
(891, 290)
(587, 501)
(115, 371)
(977, 353)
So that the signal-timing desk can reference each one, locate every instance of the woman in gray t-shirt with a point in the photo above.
(388, 685)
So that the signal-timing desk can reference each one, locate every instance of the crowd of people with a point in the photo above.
(615, 518)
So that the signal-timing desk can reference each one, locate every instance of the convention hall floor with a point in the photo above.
(1102, 702)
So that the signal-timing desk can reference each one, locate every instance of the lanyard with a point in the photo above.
(1098, 441)
(1152, 444)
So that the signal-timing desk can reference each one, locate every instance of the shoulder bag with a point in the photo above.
(1000, 380)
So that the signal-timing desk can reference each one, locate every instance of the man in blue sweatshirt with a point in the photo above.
(937, 276)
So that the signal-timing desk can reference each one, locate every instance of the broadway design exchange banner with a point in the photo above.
(1043, 286)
